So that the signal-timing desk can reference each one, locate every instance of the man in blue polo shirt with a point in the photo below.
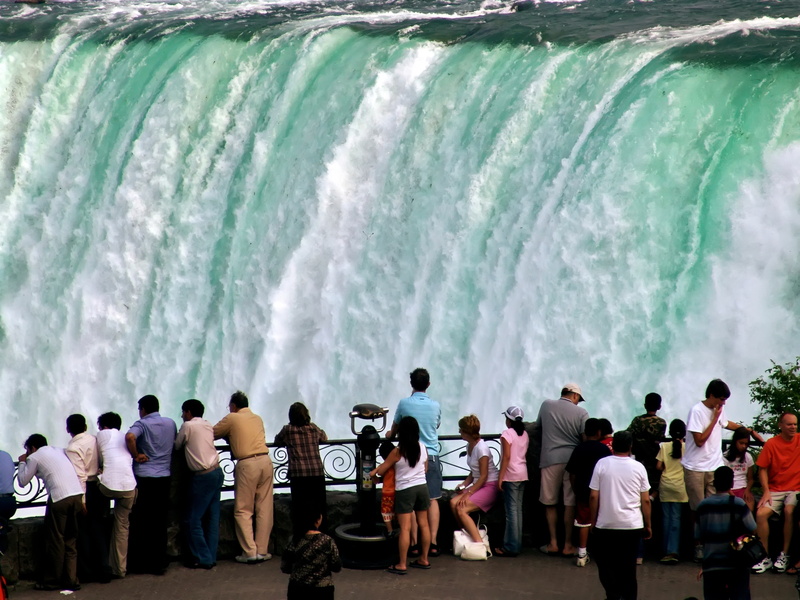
(428, 414)
(150, 441)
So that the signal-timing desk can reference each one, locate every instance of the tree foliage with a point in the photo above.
(776, 392)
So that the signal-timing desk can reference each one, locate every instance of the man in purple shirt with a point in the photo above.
(150, 441)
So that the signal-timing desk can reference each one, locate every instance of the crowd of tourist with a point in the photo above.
(133, 470)
(605, 485)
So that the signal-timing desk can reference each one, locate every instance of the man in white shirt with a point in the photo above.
(620, 508)
(117, 482)
(703, 452)
(61, 515)
(92, 547)
(196, 436)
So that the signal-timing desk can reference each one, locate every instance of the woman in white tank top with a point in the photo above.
(409, 459)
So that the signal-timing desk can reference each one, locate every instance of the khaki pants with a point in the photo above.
(118, 553)
(61, 538)
(252, 505)
(699, 485)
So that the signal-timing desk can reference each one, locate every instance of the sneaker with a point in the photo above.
(698, 553)
(263, 557)
(781, 563)
(669, 559)
(247, 560)
(762, 567)
(582, 561)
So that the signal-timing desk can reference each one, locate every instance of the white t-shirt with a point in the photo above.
(473, 462)
(620, 481)
(115, 460)
(708, 456)
(406, 476)
(739, 470)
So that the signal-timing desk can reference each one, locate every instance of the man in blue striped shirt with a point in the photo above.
(721, 518)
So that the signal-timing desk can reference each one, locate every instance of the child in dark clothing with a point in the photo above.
(580, 468)
(310, 559)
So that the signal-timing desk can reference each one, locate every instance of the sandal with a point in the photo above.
(414, 550)
(418, 565)
(501, 553)
(794, 569)
(434, 551)
(395, 571)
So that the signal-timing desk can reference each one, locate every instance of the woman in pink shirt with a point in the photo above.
(513, 475)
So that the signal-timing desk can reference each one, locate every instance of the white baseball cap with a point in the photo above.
(514, 413)
(575, 389)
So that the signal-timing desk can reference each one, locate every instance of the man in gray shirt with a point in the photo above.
(561, 423)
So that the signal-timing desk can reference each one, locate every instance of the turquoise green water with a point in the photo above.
(307, 201)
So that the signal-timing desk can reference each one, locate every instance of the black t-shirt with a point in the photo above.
(581, 464)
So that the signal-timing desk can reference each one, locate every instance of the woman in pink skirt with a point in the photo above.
(479, 490)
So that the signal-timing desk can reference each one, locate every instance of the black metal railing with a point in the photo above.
(338, 460)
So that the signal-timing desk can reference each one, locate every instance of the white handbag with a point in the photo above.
(462, 540)
(475, 551)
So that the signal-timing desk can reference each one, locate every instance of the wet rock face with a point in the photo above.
(25, 545)
(25, 541)
(26, 538)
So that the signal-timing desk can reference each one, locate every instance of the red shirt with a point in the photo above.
(782, 461)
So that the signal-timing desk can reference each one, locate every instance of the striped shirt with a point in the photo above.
(54, 468)
(721, 518)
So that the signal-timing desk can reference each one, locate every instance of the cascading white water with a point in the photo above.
(310, 214)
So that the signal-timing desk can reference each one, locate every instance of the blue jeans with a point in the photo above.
(672, 526)
(512, 492)
(202, 518)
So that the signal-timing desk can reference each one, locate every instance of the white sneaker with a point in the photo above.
(762, 567)
(263, 557)
(781, 563)
(247, 560)
(582, 560)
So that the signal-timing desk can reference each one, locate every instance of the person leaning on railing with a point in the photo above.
(8, 503)
(306, 473)
(253, 507)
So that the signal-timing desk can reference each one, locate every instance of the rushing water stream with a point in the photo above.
(306, 200)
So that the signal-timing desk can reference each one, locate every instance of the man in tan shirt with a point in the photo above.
(252, 483)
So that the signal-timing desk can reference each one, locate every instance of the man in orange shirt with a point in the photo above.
(779, 474)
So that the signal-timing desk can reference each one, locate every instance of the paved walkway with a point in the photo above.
(531, 575)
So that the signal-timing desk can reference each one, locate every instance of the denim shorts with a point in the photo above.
(434, 477)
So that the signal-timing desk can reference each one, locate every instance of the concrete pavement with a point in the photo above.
(531, 575)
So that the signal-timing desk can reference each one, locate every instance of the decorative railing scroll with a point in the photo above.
(338, 460)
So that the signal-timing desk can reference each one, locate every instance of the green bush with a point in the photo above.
(776, 392)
